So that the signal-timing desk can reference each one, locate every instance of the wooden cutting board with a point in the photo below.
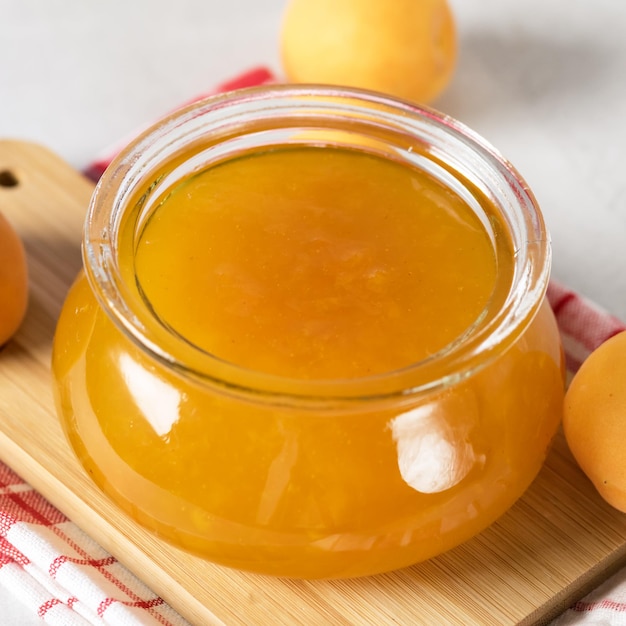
(558, 542)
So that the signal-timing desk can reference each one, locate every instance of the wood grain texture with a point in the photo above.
(559, 541)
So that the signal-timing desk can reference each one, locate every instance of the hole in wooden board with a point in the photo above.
(8, 179)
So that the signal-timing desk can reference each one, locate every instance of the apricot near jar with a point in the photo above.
(311, 338)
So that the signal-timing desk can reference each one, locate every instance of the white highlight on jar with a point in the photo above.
(433, 455)
(158, 401)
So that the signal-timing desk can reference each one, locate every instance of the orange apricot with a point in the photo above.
(13, 281)
(405, 48)
(594, 419)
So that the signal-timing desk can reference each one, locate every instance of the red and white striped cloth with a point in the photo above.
(583, 325)
(61, 573)
(67, 579)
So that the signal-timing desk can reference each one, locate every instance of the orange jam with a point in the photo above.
(316, 263)
(274, 414)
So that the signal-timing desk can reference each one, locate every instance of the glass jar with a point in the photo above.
(307, 477)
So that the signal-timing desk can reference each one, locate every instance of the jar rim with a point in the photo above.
(134, 169)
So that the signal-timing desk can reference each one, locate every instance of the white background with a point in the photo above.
(544, 81)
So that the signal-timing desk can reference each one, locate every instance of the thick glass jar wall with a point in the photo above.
(314, 478)
(299, 492)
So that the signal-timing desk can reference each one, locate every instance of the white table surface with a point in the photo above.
(545, 82)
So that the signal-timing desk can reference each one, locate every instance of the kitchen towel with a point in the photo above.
(67, 579)
(61, 573)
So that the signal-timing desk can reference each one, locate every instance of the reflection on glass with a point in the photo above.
(157, 400)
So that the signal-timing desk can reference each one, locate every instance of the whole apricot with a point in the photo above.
(594, 419)
(405, 48)
(13, 281)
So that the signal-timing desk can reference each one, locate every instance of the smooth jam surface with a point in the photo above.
(309, 263)
(316, 263)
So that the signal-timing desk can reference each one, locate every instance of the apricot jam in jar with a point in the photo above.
(310, 338)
